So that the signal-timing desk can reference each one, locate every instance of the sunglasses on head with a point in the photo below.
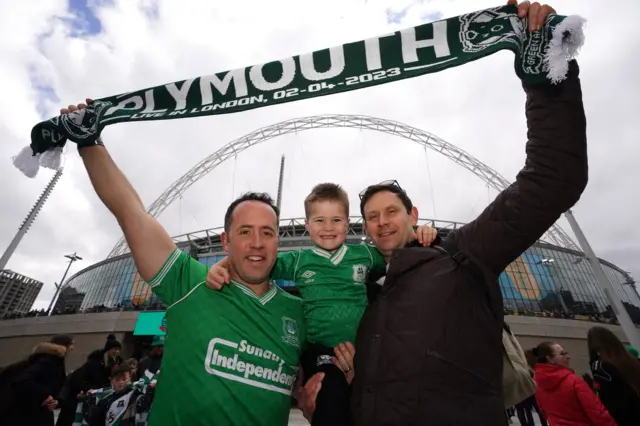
(390, 182)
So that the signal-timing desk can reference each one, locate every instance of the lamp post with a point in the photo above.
(72, 258)
(629, 329)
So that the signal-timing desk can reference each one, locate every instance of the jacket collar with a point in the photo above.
(47, 348)
(401, 260)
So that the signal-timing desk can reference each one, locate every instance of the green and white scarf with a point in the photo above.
(540, 56)
(118, 406)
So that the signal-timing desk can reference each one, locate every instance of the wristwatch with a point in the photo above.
(98, 142)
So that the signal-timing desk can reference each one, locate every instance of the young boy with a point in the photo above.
(331, 279)
(119, 406)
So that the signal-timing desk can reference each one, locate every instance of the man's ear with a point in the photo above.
(414, 216)
(225, 241)
(306, 225)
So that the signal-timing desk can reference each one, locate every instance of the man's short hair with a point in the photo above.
(391, 187)
(121, 370)
(263, 197)
(62, 340)
(326, 192)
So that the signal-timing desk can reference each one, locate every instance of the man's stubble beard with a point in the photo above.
(243, 279)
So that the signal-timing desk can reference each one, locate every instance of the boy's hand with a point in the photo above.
(218, 275)
(426, 235)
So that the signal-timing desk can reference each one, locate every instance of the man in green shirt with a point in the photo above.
(231, 356)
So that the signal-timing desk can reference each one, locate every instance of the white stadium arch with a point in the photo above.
(555, 235)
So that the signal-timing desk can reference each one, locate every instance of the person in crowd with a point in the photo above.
(563, 397)
(88, 376)
(331, 278)
(589, 381)
(437, 305)
(526, 407)
(524, 411)
(123, 413)
(616, 376)
(7, 376)
(112, 357)
(133, 368)
(35, 391)
(151, 363)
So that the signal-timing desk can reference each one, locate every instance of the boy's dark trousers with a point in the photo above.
(333, 401)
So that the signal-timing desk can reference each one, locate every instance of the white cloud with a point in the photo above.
(478, 107)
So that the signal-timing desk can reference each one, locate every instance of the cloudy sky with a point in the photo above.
(57, 52)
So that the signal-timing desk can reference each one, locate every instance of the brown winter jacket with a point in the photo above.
(429, 347)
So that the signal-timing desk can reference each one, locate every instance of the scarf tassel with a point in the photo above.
(52, 159)
(566, 41)
(29, 163)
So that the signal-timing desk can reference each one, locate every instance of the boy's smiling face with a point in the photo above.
(328, 224)
(120, 381)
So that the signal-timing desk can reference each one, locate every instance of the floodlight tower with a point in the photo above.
(628, 327)
(280, 181)
(26, 224)
(279, 199)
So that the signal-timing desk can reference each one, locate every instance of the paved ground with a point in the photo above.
(296, 419)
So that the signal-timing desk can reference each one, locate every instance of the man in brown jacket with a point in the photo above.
(429, 347)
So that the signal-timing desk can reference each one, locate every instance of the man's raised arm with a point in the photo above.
(150, 244)
(551, 182)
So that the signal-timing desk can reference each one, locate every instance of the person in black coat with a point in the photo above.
(616, 376)
(35, 390)
(153, 361)
(89, 376)
(7, 376)
(111, 357)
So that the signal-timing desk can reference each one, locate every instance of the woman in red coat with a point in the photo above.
(564, 398)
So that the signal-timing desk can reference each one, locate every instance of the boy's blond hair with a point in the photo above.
(326, 192)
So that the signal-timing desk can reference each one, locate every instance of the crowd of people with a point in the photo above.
(608, 396)
(32, 389)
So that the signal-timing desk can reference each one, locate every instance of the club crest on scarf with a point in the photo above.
(485, 28)
(83, 124)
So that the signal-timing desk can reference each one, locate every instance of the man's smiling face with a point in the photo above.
(388, 223)
(252, 242)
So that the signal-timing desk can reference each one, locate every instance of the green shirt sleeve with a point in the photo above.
(377, 260)
(180, 274)
(286, 265)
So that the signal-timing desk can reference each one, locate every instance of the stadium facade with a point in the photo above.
(546, 278)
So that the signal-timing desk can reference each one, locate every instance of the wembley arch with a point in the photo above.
(555, 235)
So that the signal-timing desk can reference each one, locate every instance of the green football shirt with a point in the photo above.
(332, 288)
(231, 357)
